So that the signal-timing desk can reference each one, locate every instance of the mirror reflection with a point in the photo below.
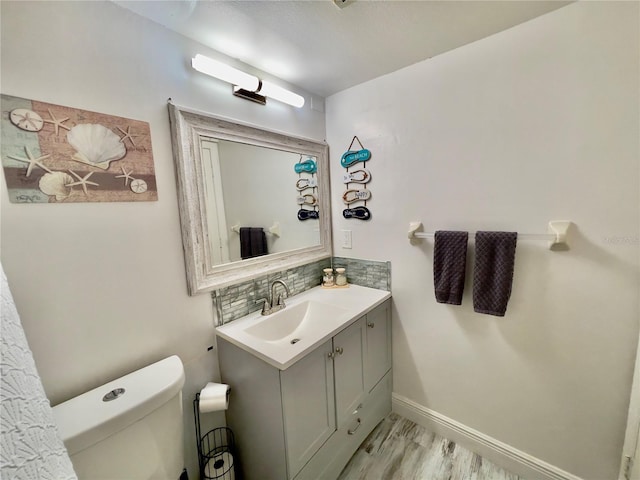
(259, 200)
(252, 201)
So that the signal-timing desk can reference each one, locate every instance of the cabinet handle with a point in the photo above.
(352, 432)
(371, 324)
(338, 351)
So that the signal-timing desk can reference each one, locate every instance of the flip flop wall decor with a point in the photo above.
(357, 176)
(307, 214)
(350, 157)
(308, 199)
(351, 196)
(308, 166)
(361, 213)
(306, 183)
(361, 176)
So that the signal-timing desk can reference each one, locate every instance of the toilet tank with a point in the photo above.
(130, 428)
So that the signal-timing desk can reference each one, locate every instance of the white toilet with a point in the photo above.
(130, 428)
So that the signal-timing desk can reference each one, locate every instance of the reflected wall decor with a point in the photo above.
(56, 154)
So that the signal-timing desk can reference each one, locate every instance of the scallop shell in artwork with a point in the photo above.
(95, 145)
(54, 184)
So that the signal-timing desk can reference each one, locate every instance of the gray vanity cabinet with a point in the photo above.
(305, 422)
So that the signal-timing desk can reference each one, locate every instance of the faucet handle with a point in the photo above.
(281, 301)
(266, 308)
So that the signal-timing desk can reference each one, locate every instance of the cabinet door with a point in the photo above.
(349, 349)
(308, 406)
(378, 344)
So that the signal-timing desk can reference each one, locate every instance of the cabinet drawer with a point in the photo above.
(371, 411)
(329, 461)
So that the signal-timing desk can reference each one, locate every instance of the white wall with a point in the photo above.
(536, 123)
(101, 288)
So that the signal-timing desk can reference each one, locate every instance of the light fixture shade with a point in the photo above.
(225, 72)
(249, 86)
(270, 90)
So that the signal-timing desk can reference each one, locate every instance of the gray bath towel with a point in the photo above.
(493, 271)
(449, 264)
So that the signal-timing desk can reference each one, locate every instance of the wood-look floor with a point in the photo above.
(398, 449)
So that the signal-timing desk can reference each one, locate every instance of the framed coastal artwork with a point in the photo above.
(56, 154)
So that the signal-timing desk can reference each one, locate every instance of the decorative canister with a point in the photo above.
(327, 278)
(341, 276)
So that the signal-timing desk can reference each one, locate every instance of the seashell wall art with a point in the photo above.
(56, 154)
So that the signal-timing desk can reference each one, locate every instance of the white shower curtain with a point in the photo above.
(31, 448)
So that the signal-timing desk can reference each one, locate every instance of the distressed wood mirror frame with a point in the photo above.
(187, 127)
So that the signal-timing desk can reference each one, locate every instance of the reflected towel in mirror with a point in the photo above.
(253, 242)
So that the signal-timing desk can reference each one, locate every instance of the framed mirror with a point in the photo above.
(252, 201)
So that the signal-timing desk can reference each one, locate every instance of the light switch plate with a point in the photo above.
(346, 238)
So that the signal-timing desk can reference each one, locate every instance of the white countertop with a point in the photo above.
(353, 302)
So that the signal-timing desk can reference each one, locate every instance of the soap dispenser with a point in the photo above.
(327, 278)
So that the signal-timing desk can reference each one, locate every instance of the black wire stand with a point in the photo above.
(216, 449)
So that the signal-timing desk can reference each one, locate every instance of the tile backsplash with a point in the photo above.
(239, 300)
(366, 273)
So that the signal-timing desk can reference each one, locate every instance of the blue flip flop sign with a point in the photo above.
(308, 166)
(351, 157)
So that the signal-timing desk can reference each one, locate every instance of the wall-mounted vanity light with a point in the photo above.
(245, 85)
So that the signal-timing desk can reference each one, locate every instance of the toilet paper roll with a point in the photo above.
(220, 466)
(214, 397)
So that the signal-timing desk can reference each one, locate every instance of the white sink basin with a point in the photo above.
(295, 322)
(309, 319)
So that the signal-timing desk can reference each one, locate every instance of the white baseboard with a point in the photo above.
(493, 450)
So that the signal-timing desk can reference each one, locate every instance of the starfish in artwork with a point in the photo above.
(32, 161)
(82, 181)
(126, 176)
(127, 135)
(57, 123)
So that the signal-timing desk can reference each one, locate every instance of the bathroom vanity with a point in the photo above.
(309, 383)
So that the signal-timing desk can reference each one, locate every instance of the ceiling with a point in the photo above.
(324, 49)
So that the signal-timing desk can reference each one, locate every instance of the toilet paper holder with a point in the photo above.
(216, 449)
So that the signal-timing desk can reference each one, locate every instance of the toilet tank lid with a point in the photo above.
(86, 419)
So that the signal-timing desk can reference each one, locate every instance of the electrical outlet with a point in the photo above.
(346, 238)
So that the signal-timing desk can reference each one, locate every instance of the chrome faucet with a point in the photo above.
(274, 304)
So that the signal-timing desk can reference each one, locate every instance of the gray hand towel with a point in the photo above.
(449, 265)
(493, 271)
